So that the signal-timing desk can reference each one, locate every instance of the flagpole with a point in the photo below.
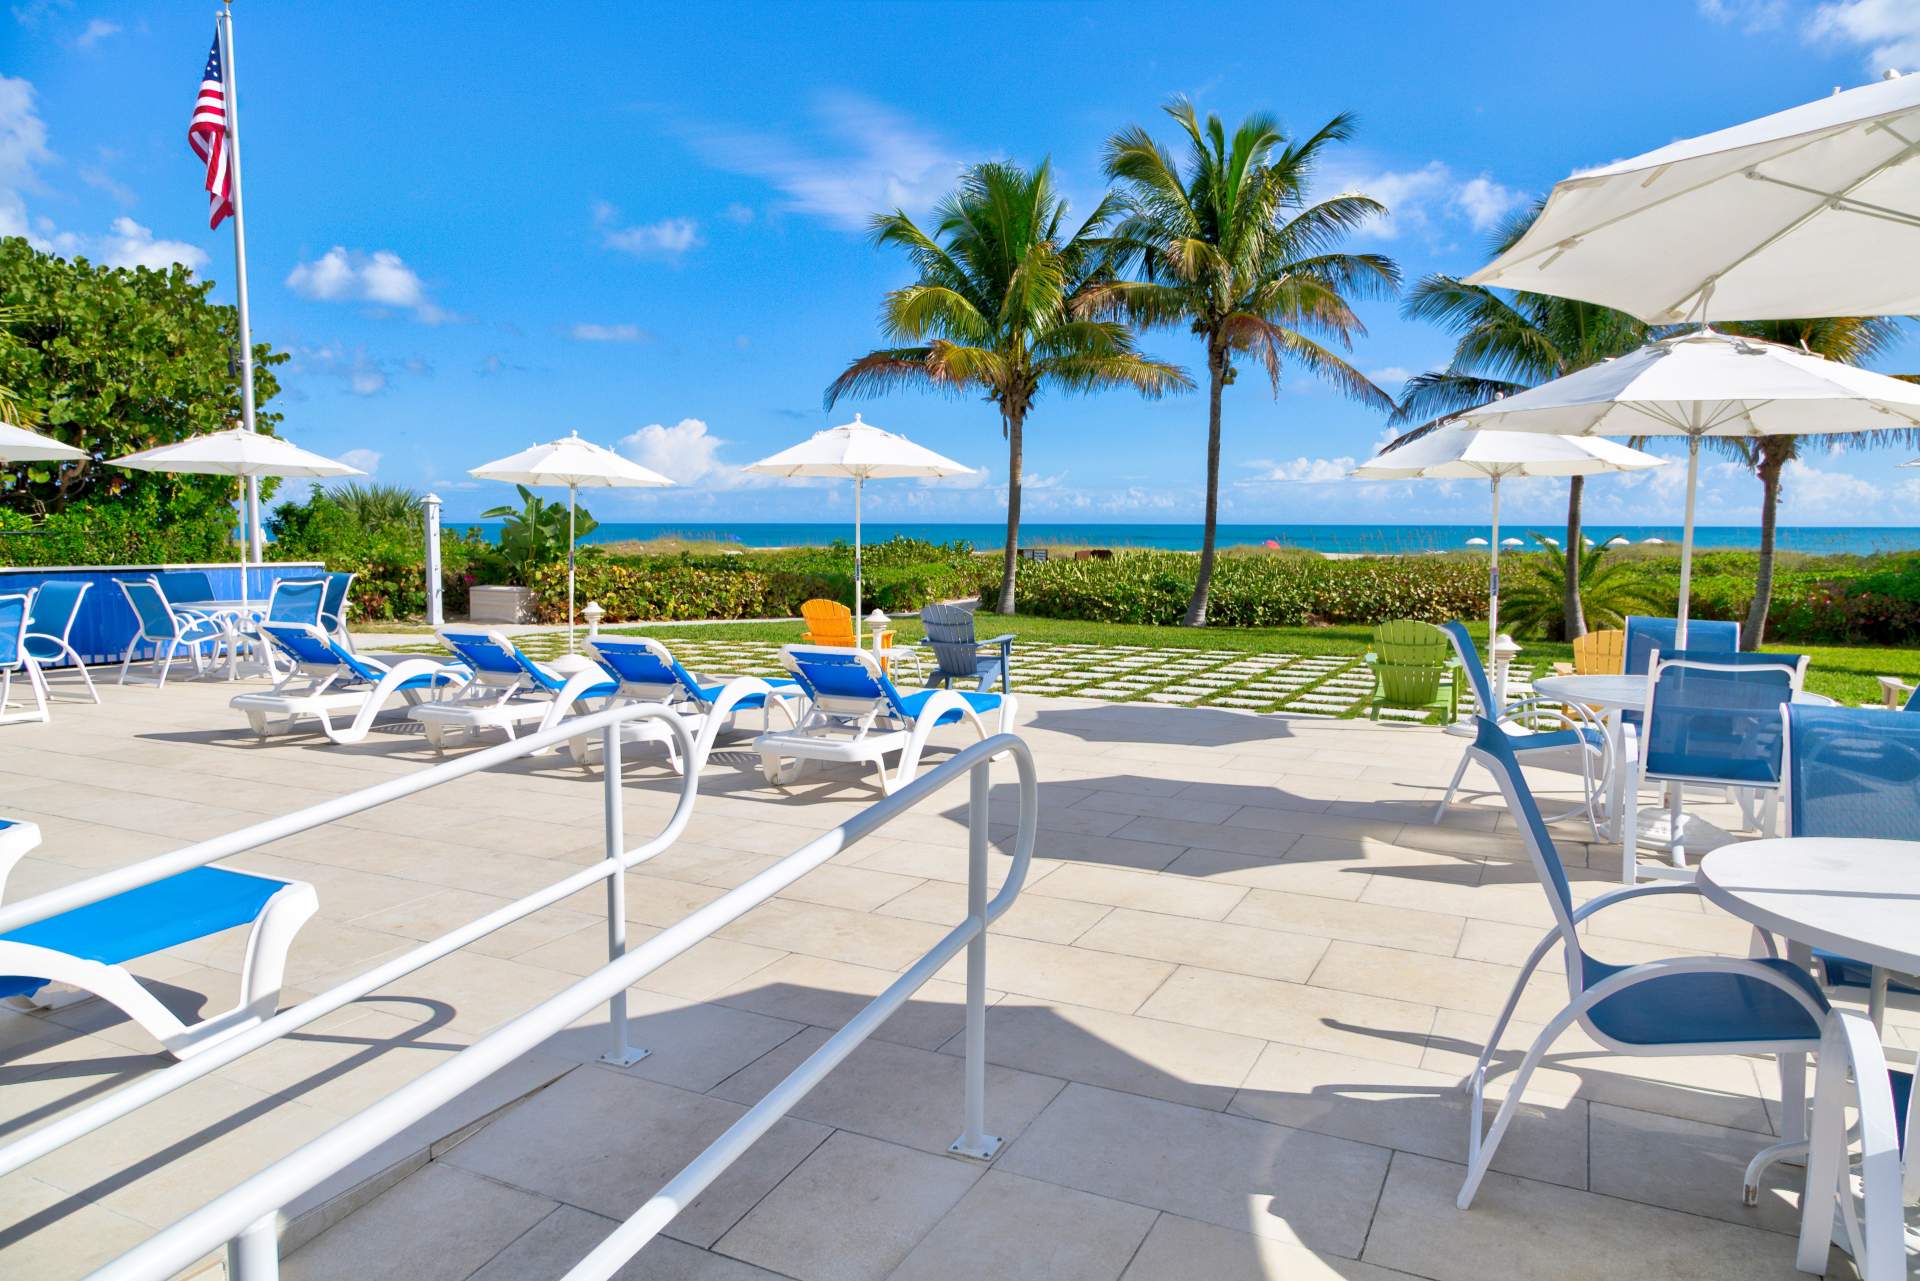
(255, 539)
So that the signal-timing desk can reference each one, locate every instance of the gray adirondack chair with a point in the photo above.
(959, 656)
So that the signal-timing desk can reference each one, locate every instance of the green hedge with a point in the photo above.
(130, 532)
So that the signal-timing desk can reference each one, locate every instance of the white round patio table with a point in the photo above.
(1616, 694)
(1857, 897)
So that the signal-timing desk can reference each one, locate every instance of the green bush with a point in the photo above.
(127, 531)
(388, 559)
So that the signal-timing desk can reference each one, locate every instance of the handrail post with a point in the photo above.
(621, 1054)
(974, 1142)
(254, 1255)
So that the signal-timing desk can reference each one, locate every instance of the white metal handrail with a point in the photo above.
(245, 1217)
(39, 1142)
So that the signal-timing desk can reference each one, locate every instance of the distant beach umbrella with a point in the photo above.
(1806, 212)
(578, 464)
(1513, 542)
(858, 451)
(1619, 540)
(1551, 542)
(1586, 540)
(1476, 542)
(1653, 542)
(1458, 451)
(236, 452)
(1703, 384)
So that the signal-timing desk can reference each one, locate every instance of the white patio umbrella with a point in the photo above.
(1808, 212)
(1620, 540)
(1513, 542)
(1477, 542)
(578, 464)
(1707, 384)
(18, 445)
(858, 451)
(1456, 451)
(240, 453)
(1653, 542)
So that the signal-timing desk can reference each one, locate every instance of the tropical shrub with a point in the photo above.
(536, 534)
(388, 558)
(138, 529)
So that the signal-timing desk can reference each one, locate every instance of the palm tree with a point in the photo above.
(992, 311)
(373, 506)
(1609, 590)
(1853, 339)
(1505, 342)
(1231, 250)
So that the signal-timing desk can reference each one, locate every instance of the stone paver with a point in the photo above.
(1225, 1018)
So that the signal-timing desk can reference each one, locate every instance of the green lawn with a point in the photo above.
(1843, 672)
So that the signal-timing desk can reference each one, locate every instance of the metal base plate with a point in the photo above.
(989, 1145)
(631, 1057)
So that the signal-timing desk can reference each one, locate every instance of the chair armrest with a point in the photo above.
(1894, 691)
(1563, 669)
(1002, 641)
(1601, 901)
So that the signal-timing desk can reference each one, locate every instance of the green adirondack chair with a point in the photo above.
(1412, 669)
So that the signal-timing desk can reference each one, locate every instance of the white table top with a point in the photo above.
(1627, 693)
(1860, 898)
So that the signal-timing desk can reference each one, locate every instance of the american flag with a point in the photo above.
(207, 135)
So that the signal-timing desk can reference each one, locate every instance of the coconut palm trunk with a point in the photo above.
(1574, 621)
(1755, 627)
(1216, 383)
(1016, 464)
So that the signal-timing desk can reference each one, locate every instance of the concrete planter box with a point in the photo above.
(501, 605)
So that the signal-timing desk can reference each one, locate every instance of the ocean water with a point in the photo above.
(1374, 539)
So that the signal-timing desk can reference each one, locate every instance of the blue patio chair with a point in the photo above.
(333, 611)
(56, 605)
(1645, 635)
(1853, 1077)
(296, 600)
(856, 715)
(507, 689)
(1577, 743)
(87, 947)
(167, 630)
(1713, 719)
(187, 586)
(17, 659)
(959, 656)
(1852, 772)
(325, 679)
(647, 672)
(1679, 1006)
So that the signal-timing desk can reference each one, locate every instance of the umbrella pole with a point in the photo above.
(856, 561)
(1686, 542)
(1493, 613)
(571, 490)
(245, 535)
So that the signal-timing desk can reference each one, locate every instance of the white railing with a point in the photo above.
(246, 1218)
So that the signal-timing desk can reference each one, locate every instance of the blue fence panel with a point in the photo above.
(106, 622)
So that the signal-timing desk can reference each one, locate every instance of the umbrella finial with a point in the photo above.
(856, 416)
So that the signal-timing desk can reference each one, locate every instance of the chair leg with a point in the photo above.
(1480, 1150)
(1459, 772)
(1630, 835)
(1676, 824)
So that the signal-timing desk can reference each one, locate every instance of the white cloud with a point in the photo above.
(738, 213)
(1303, 471)
(667, 238)
(367, 460)
(380, 278)
(132, 245)
(98, 29)
(1748, 15)
(23, 148)
(585, 332)
(687, 452)
(858, 158)
(1485, 202)
(360, 372)
(1889, 31)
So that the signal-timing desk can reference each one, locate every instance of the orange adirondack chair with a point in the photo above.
(831, 623)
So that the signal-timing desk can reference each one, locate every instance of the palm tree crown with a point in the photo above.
(993, 311)
(1232, 248)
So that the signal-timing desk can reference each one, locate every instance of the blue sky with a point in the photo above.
(476, 228)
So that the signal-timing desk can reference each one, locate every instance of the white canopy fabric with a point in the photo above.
(1456, 451)
(1812, 211)
(578, 464)
(237, 452)
(18, 445)
(858, 451)
(1707, 384)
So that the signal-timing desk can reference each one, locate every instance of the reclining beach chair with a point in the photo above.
(507, 690)
(647, 672)
(169, 629)
(87, 947)
(855, 714)
(333, 610)
(326, 679)
(17, 659)
(50, 626)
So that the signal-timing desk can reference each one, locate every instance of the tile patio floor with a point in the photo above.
(1227, 1014)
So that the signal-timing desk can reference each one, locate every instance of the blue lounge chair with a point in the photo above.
(506, 690)
(1577, 743)
(1712, 719)
(855, 714)
(1679, 1006)
(1852, 772)
(88, 946)
(17, 659)
(333, 611)
(959, 656)
(325, 679)
(50, 625)
(647, 672)
(168, 629)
